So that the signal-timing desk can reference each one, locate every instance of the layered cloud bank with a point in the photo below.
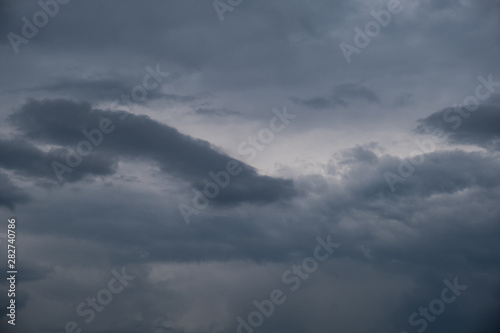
(220, 167)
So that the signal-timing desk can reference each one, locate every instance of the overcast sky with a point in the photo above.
(212, 148)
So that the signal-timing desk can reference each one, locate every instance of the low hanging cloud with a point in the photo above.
(61, 122)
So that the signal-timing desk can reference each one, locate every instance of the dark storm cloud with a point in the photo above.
(363, 197)
(10, 195)
(440, 172)
(480, 127)
(438, 215)
(61, 122)
(26, 159)
(167, 239)
(435, 187)
(397, 247)
(341, 96)
(415, 236)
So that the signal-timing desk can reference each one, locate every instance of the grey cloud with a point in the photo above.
(259, 235)
(397, 247)
(62, 121)
(26, 159)
(480, 127)
(441, 172)
(414, 237)
(362, 154)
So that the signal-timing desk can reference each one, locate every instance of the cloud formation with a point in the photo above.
(62, 122)
(461, 126)
(118, 205)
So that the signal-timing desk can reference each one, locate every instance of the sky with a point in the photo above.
(204, 166)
